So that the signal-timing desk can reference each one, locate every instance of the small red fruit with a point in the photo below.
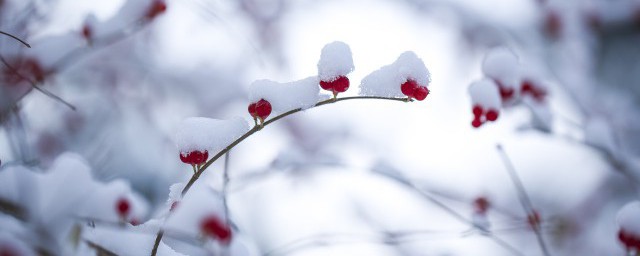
(481, 205)
(157, 7)
(173, 206)
(252, 110)
(87, 33)
(123, 207)
(534, 219)
(408, 88)
(263, 109)
(421, 93)
(477, 111)
(214, 227)
(476, 123)
(492, 115)
(506, 93)
(194, 157)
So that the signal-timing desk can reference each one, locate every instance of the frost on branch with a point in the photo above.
(132, 11)
(286, 96)
(485, 101)
(207, 134)
(501, 65)
(388, 80)
(335, 61)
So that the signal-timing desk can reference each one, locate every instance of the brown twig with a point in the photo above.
(276, 118)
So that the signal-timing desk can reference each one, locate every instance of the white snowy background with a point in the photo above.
(314, 178)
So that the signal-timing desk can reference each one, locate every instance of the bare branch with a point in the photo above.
(16, 38)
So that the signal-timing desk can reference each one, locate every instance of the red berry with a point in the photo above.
(87, 33)
(341, 84)
(477, 110)
(214, 227)
(326, 85)
(134, 222)
(553, 24)
(506, 93)
(533, 219)
(194, 157)
(263, 109)
(481, 205)
(252, 110)
(123, 207)
(421, 93)
(476, 123)
(157, 7)
(408, 88)
(492, 115)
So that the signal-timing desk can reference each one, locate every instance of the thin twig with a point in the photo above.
(36, 86)
(257, 128)
(156, 243)
(16, 38)
(225, 186)
(523, 197)
(452, 212)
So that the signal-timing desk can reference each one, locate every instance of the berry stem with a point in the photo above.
(265, 123)
(194, 168)
(523, 197)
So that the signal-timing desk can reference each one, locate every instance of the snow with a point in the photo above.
(386, 81)
(598, 133)
(628, 218)
(201, 133)
(283, 97)
(131, 11)
(186, 218)
(501, 64)
(126, 241)
(485, 93)
(335, 61)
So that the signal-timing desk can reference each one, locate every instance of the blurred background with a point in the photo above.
(315, 175)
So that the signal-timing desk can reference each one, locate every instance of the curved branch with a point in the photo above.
(16, 38)
(276, 118)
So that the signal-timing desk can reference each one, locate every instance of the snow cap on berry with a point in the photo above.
(485, 93)
(283, 97)
(335, 61)
(387, 80)
(501, 64)
(201, 133)
(628, 218)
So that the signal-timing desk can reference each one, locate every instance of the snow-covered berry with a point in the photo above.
(216, 228)
(629, 223)
(492, 115)
(260, 109)
(411, 89)
(194, 157)
(340, 84)
(486, 102)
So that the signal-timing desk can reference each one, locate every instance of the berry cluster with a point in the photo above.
(411, 89)
(338, 85)
(195, 157)
(506, 93)
(23, 69)
(482, 115)
(532, 89)
(260, 110)
(214, 227)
